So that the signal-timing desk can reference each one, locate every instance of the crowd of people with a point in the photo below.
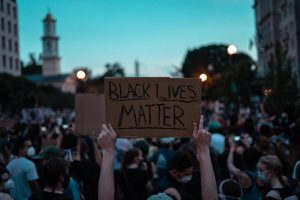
(236, 156)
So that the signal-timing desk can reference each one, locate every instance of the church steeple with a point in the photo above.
(50, 55)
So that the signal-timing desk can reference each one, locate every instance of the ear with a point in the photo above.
(270, 173)
(174, 173)
(61, 178)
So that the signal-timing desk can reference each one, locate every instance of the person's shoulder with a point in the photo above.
(4, 196)
(26, 163)
(273, 195)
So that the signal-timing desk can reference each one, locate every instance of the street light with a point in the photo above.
(80, 75)
(203, 77)
(231, 49)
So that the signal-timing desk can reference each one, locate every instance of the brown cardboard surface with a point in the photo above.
(153, 107)
(90, 114)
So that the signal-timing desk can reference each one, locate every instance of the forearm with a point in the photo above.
(208, 180)
(98, 157)
(232, 169)
(106, 180)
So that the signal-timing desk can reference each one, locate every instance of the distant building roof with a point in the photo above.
(40, 79)
(49, 17)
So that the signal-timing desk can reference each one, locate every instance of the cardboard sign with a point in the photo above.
(153, 107)
(90, 114)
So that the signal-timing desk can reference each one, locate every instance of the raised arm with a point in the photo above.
(243, 179)
(202, 140)
(106, 140)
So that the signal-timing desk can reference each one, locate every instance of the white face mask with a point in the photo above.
(9, 184)
(185, 179)
(31, 151)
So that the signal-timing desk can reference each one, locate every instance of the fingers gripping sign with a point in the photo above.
(107, 138)
(201, 137)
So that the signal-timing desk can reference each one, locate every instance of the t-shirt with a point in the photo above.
(187, 191)
(133, 184)
(22, 171)
(43, 195)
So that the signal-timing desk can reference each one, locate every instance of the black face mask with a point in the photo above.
(66, 182)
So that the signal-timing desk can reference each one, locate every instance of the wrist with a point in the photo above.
(202, 152)
(108, 152)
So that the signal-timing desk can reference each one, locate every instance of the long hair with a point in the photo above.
(273, 163)
(128, 157)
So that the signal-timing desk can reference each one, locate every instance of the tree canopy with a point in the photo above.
(229, 76)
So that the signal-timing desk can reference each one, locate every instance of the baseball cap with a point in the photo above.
(160, 196)
(48, 152)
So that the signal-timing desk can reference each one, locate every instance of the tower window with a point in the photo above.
(48, 28)
(48, 47)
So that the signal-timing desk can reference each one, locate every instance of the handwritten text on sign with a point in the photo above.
(143, 107)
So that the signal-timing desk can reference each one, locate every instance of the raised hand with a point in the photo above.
(107, 138)
(201, 137)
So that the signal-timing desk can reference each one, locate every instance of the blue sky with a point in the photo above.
(156, 32)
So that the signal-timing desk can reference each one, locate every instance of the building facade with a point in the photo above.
(50, 56)
(9, 39)
(277, 21)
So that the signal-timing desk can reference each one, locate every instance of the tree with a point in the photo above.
(96, 85)
(114, 70)
(33, 67)
(281, 81)
(229, 76)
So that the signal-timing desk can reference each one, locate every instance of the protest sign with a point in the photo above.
(32, 116)
(90, 114)
(153, 107)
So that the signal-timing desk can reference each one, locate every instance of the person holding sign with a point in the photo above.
(201, 138)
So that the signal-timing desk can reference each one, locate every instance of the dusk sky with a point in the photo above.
(156, 32)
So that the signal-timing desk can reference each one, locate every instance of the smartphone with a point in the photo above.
(236, 138)
(43, 129)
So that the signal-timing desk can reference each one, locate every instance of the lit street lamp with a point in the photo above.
(203, 77)
(80, 75)
(231, 49)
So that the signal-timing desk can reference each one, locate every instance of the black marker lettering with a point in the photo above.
(113, 95)
(178, 112)
(124, 111)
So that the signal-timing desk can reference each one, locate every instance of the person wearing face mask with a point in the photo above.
(134, 181)
(23, 171)
(180, 174)
(270, 173)
(57, 180)
(6, 183)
